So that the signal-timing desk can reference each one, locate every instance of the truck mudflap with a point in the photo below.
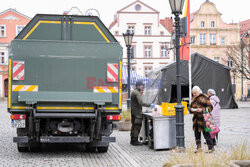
(62, 139)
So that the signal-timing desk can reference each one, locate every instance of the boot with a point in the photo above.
(134, 141)
(198, 150)
(214, 142)
(210, 150)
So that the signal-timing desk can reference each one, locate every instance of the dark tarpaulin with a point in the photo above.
(206, 74)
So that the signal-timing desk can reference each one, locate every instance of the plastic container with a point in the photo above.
(159, 109)
(169, 110)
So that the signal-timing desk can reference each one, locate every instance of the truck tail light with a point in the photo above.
(18, 116)
(114, 117)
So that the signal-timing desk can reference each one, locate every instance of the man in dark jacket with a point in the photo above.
(136, 112)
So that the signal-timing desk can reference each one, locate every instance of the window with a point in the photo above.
(217, 59)
(222, 41)
(131, 29)
(192, 39)
(164, 52)
(2, 57)
(230, 62)
(19, 29)
(132, 52)
(147, 30)
(137, 7)
(147, 70)
(147, 51)
(202, 39)
(212, 24)
(202, 24)
(212, 39)
(2, 31)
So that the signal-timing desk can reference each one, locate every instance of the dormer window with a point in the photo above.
(137, 7)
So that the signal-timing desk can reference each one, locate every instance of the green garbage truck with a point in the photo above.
(64, 82)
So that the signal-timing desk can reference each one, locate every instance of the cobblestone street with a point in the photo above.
(235, 128)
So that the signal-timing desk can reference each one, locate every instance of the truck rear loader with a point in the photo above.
(64, 82)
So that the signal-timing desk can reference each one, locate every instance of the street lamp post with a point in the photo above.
(176, 7)
(128, 36)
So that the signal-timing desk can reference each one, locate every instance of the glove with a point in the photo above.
(152, 105)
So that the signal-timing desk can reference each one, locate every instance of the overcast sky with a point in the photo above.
(232, 10)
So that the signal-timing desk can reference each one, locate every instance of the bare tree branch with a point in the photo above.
(237, 54)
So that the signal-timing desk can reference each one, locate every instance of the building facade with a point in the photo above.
(11, 23)
(209, 34)
(151, 41)
(211, 37)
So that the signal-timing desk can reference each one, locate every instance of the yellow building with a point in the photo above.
(211, 37)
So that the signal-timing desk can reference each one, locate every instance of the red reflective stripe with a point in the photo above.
(112, 72)
(18, 116)
(15, 63)
(115, 75)
(116, 66)
(18, 71)
(22, 78)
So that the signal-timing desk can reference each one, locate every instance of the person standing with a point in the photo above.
(136, 112)
(216, 109)
(197, 107)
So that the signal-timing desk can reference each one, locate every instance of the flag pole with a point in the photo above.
(187, 12)
(186, 49)
(190, 74)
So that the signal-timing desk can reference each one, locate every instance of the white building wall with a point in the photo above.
(145, 17)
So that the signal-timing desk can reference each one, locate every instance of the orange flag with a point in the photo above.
(185, 49)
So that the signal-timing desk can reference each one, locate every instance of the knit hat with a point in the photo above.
(211, 91)
(139, 83)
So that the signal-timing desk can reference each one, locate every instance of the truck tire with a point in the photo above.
(90, 148)
(35, 147)
(22, 147)
(102, 149)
